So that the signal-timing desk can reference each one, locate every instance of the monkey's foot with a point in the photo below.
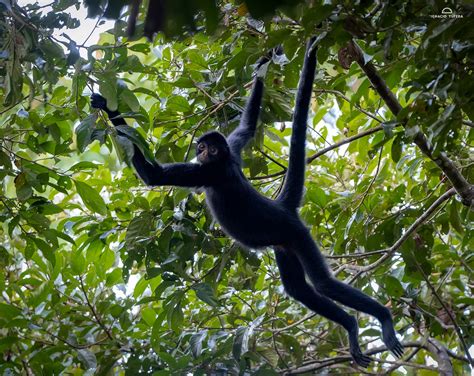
(361, 359)
(390, 339)
(354, 348)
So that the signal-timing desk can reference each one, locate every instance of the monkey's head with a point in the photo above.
(211, 148)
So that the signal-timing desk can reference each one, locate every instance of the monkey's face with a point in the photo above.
(207, 152)
(211, 148)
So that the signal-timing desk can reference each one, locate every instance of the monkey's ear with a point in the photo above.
(98, 101)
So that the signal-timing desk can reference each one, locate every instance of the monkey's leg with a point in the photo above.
(319, 274)
(292, 276)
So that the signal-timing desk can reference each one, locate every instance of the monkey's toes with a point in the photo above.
(391, 341)
(397, 348)
(361, 359)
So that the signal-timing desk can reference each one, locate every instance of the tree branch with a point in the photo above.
(296, 323)
(343, 142)
(339, 94)
(326, 150)
(421, 219)
(325, 363)
(439, 351)
(468, 123)
(459, 182)
(450, 315)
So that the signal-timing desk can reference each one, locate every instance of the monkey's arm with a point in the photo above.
(292, 191)
(177, 174)
(248, 122)
(152, 173)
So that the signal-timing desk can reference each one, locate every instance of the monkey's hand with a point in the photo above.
(98, 101)
(275, 54)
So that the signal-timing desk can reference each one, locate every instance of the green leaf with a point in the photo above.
(175, 317)
(114, 277)
(388, 127)
(128, 97)
(108, 88)
(23, 188)
(91, 198)
(87, 358)
(124, 148)
(293, 347)
(4, 257)
(84, 131)
(196, 342)
(138, 229)
(140, 47)
(133, 135)
(242, 337)
(241, 342)
(46, 249)
(148, 315)
(5, 160)
(84, 165)
(8, 312)
(168, 358)
(393, 286)
(78, 263)
(205, 292)
(371, 332)
(397, 148)
(317, 195)
(7, 343)
(411, 131)
(178, 104)
(454, 218)
(195, 57)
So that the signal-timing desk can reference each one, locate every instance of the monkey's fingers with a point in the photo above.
(98, 101)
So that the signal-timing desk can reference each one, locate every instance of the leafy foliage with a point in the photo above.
(104, 275)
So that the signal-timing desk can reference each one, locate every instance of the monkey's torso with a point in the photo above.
(249, 217)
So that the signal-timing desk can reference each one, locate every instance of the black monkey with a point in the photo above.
(256, 221)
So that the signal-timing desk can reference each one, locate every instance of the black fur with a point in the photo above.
(256, 221)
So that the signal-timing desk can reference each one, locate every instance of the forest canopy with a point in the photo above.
(103, 275)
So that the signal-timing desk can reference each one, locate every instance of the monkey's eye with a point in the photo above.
(201, 146)
(213, 150)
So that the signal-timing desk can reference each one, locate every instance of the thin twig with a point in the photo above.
(459, 182)
(94, 312)
(445, 196)
(343, 142)
(339, 94)
(372, 181)
(327, 362)
(92, 31)
(447, 310)
(296, 323)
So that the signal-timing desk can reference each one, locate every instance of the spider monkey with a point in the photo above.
(257, 221)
